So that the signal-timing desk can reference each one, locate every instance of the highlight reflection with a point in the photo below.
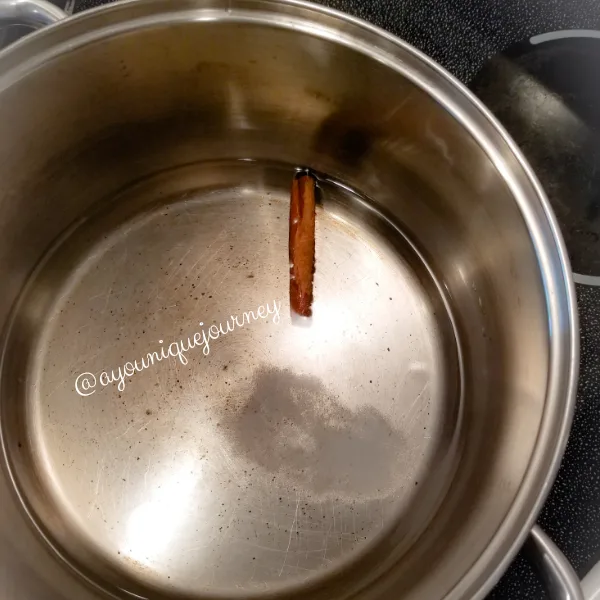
(152, 525)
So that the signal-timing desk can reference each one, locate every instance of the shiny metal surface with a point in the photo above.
(20, 17)
(561, 579)
(36, 13)
(590, 584)
(248, 462)
(400, 446)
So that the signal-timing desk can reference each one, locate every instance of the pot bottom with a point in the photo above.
(171, 431)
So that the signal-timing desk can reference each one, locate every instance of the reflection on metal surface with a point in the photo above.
(20, 17)
(284, 422)
(153, 525)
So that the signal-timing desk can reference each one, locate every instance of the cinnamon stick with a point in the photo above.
(302, 244)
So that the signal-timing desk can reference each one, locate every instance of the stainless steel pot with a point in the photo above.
(399, 447)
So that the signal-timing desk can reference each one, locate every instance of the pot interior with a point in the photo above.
(146, 171)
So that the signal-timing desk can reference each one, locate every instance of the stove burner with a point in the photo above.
(546, 92)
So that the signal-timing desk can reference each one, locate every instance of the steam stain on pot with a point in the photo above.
(292, 426)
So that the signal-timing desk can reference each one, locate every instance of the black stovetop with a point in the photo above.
(500, 50)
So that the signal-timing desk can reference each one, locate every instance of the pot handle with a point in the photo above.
(559, 577)
(32, 13)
